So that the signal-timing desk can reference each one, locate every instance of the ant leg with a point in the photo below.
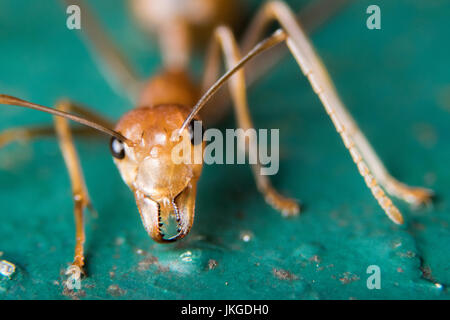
(23, 133)
(361, 151)
(79, 190)
(11, 135)
(313, 16)
(224, 38)
(413, 195)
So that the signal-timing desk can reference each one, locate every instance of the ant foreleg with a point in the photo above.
(79, 189)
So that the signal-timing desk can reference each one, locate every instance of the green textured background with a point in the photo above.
(396, 82)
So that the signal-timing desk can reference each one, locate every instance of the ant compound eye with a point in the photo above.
(196, 132)
(117, 148)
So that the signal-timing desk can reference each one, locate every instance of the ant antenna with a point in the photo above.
(277, 37)
(13, 101)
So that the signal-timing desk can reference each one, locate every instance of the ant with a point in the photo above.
(170, 101)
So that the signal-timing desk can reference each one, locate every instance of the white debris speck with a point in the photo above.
(246, 236)
(397, 243)
(439, 286)
(7, 268)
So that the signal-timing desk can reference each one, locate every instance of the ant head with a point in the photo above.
(159, 166)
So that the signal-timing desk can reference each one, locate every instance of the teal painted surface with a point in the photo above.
(395, 81)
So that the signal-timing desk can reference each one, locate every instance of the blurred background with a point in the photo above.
(396, 83)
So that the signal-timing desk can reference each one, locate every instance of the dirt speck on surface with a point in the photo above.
(147, 262)
(407, 254)
(115, 291)
(426, 273)
(112, 272)
(212, 264)
(284, 274)
(74, 294)
(348, 277)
